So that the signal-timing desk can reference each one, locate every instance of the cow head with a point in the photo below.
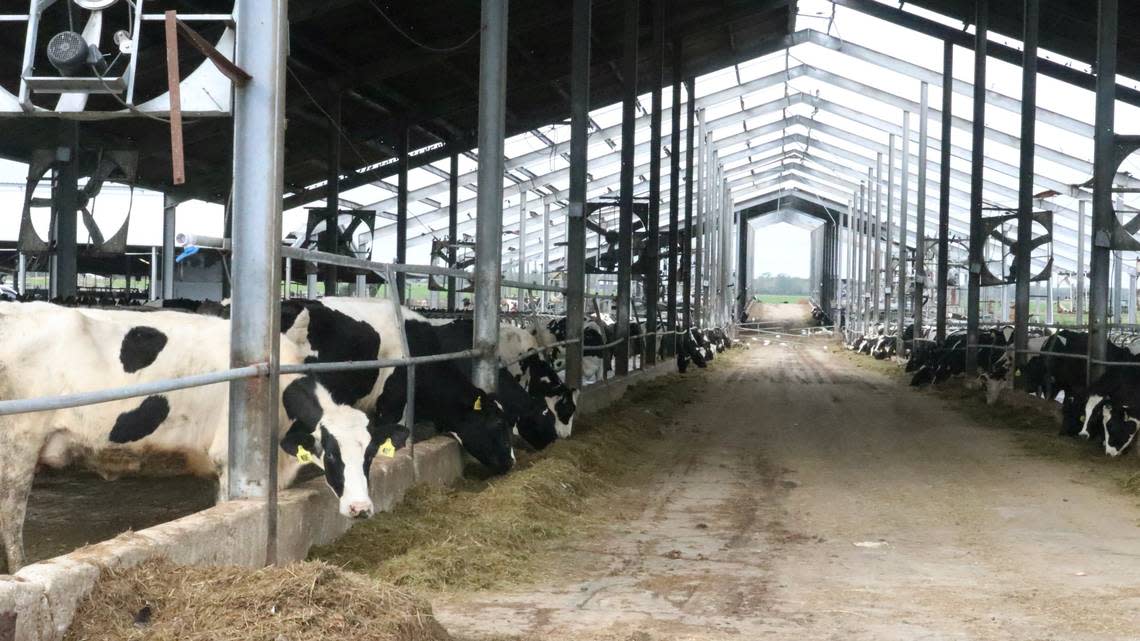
(485, 433)
(1119, 428)
(336, 438)
(561, 401)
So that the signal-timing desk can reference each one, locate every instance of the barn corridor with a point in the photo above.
(812, 499)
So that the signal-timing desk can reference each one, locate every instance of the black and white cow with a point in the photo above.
(51, 350)
(536, 401)
(339, 329)
(689, 350)
(945, 360)
(595, 362)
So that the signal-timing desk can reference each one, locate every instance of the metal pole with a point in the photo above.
(402, 209)
(904, 205)
(651, 269)
(944, 189)
(1118, 285)
(625, 219)
(311, 291)
(1049, 300)
(1104, 166)
(545, 255)
(698, 258)
(860, 237)
(258, 178)
(65, 203)
(1132, 298)
(690, 181)
(576, 211)
(1022, 253)
(888, 270)
(522, 293)
(288, 277)
(489, 221)
(169, 214)
(920, 211)
(361, 285)
(332, 196)
(868, 247)
(1079, 304)
(977, 174)
(452, 227)
(674, 203)
(877, 180)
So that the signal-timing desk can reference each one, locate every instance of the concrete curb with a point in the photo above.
(44, 596)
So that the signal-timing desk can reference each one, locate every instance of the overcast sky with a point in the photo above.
(783, 248)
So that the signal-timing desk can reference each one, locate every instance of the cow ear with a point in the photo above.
(301, 403)
(299, 438)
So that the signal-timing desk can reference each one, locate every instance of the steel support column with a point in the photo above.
(258, 178)
(904, 207)
(690, 181)
(452, 226)
(545, 271)
(1079, 303)
(522, 293)
(1104, 165)
(402, 208)
(977, 175)
(169, 218)
(699, 232)
(625, 217)
(877, 287)
(889, 269)
(576, 211)
(944, 189)
(1022, 255)
(920, 211)
(489, 218)
(332, 195)
(674, 202)
(65, 204)
(651, 270)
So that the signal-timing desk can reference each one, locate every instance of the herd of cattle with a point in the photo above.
(338, 421)
(1105, 411)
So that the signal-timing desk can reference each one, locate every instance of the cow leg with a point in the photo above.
(17, 469)
(390, 404)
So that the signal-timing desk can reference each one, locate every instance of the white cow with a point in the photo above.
(51, 350)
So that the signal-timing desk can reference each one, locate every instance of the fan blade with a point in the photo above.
(595, 227)
(92, 227)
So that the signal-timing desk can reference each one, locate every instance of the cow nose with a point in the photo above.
(360, 509)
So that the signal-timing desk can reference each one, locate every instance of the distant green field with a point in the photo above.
(780, 298)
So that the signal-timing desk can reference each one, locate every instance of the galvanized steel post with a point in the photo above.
(1104, 169)
(169, 215)
(1079, 303)
(522, 293)
(904, 205)
(690, 182)
(651, 267)
(977, 175)
(889, 269)
(332, 195)
(1022, 255)
(402, 207)
(698, 256)
(674, 203)
(452, 226)
(625, 217)
(258, 179)
(65, 203)
(576, 210)
(944, 189)
(153, 273)
(545, 271)
(920, 212)
(489, 216)
(879, 288)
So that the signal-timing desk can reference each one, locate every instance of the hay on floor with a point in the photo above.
(160, 601)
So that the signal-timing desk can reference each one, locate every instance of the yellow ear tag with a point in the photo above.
(478, 404)
(1017, 372)
(1082, 419)
(387, 449)
(306, 457)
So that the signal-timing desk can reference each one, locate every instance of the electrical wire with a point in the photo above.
(409, 38)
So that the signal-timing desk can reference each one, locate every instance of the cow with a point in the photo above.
(997, 376)
(338, 329)
(541, 405)
(689, 350)
(949, 358)
(1120, 426)
(51, 350)
(595, 361)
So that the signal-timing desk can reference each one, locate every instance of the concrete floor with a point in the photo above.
(812, 499)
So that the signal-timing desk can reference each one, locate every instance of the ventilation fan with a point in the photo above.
(76, 49)
(120, 166)
(1001, 240)
(464, 258)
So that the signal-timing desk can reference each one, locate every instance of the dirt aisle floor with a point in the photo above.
(813, 499)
